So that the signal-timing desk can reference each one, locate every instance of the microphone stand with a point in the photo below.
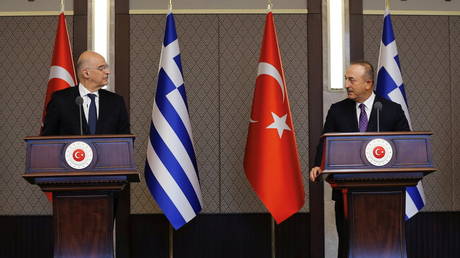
(81, 122)
(79, 102)
(378, 120)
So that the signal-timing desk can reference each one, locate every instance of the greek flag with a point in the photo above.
(390, 86)
(170, 168)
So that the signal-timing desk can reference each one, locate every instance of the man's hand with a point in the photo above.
(314, 173)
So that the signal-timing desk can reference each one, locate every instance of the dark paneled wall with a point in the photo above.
(428, 235)
(433, 235)
(26, 236)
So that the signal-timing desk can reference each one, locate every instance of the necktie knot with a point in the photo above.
(363, 121)
(92, 96)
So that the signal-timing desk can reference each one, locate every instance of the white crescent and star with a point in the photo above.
(379, 152)
(59, 72)
(279, 122)
(270, 70)
(78, 155)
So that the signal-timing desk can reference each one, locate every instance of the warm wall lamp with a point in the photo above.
(337, 42)
(101, 33)
(101, 26)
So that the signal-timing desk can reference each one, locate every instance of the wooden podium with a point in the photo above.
(85, 174)
(372, 171)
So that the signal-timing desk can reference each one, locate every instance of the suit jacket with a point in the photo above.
(63, 115)
(342, 118)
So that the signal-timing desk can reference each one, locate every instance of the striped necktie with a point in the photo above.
(363, 121)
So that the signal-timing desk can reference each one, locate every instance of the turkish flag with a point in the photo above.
(62, 71)
(271, 161)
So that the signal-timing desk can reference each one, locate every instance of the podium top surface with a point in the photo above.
(80, 158)
(93, 136)
(382, 152)
(377, 134)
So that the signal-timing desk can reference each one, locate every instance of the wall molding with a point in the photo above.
(219, 11)
(237, 11)
(414, 12)
(36, 13)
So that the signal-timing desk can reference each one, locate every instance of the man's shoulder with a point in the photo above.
(343, 103)
(65, 93)
(108, 93)
(387, 103)
(110, 96)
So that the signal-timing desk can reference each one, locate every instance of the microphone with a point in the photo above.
(79, 102)
(378, 107)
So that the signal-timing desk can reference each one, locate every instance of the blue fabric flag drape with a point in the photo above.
(390, 86)
(171, 168)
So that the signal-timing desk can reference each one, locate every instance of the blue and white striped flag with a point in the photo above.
(390, 86)
(170, 168)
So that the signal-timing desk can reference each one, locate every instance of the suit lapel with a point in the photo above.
(372, 125)
(352, 116)
(76, 93)
(102, 111)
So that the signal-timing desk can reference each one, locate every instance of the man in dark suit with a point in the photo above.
(355, 114)
(102, 112)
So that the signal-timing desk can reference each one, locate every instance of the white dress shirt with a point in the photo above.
(368, 103)
(87, 101)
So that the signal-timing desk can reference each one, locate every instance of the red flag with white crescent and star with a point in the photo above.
(271, 160)
(62, 71)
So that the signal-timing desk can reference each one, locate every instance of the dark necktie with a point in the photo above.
(362, 118)
(92, 114)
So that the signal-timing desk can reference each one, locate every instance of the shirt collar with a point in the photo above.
(368, 102)
(84, 91)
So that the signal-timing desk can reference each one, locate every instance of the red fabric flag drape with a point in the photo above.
(271, 159)
(62, 72)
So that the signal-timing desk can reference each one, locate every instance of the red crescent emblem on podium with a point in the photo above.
(78, 155)
(379, 152)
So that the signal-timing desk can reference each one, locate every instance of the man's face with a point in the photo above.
(359, 88)
(98, 72)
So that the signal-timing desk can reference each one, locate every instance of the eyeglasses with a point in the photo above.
(100, 68)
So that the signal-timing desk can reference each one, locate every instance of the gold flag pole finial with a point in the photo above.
(62, 6)
(387, 4)
(269, 5)
(170, 6)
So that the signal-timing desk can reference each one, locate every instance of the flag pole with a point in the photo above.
(171, 232)
(62, 6)
(171, 242)
(387, 4)
(272, 226)
(273, 238)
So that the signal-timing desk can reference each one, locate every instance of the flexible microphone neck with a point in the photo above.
(378, 108)
(79, 102)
